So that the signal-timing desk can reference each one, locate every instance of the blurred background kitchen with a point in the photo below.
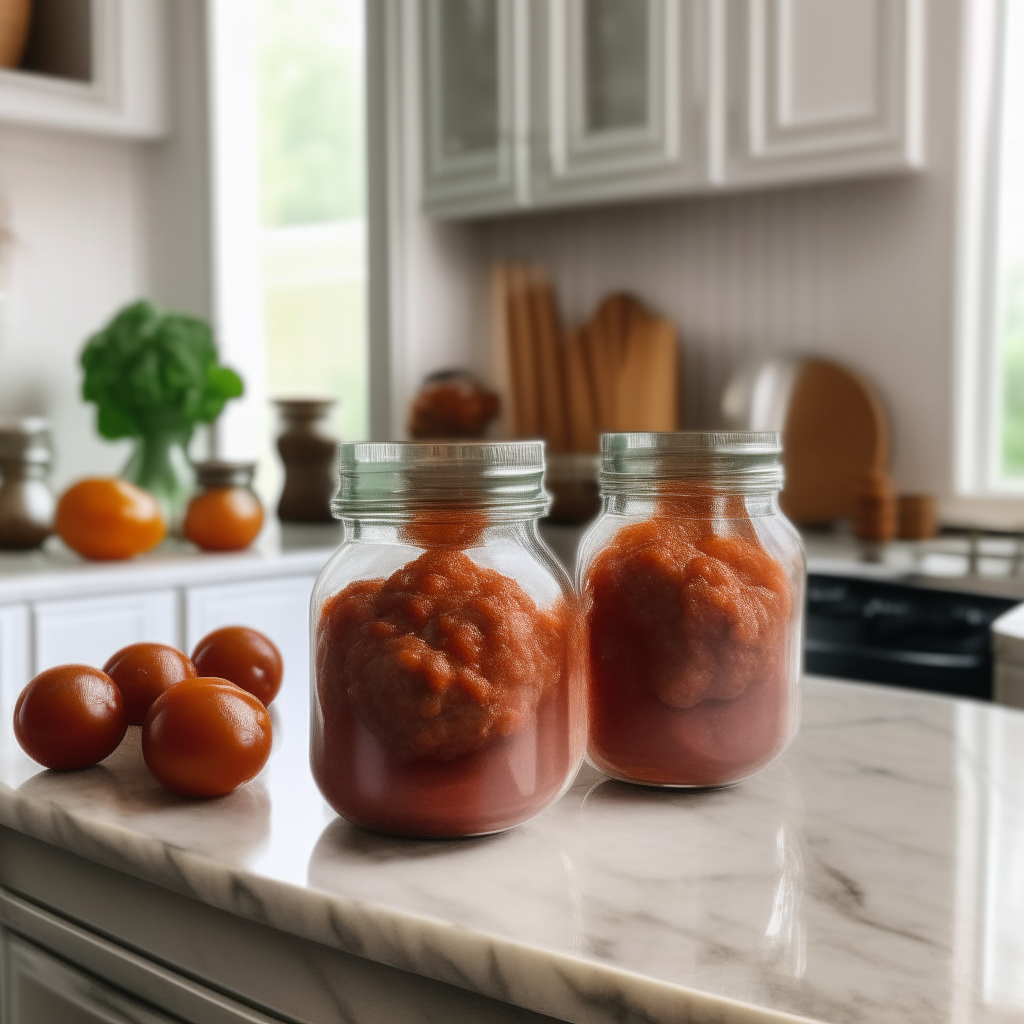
(609, 214)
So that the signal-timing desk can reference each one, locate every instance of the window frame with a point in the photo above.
(978, 403)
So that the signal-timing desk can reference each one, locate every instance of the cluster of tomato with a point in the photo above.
(205, 725)
(105, 518)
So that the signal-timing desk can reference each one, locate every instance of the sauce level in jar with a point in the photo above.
(690, 649)
(448, 703)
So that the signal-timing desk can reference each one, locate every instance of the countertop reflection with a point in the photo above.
(874, 874)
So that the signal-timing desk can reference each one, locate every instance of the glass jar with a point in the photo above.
(448, 691)
(226, 514)
(693, 589)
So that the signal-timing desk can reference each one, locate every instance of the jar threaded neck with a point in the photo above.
(735, 461)
(392, 478)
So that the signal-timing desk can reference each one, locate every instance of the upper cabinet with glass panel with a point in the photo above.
(545, 103)
(469, 111)
(619, 99)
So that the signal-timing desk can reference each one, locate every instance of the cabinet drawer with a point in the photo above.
(277, 607)
(91, 980)
(43, 990)
(90, 629)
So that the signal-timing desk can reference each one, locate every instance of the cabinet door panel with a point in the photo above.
(90, 629)
(619, 91)
(821, 88)
(469, 107)
(277, 607)
(15, 662)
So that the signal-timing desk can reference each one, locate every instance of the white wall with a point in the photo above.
(860, 271)
(427, 300)
(96, 223)
(75, 207)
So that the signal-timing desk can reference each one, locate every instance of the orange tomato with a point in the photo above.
(205, 737)
(223, 519)
(70, 716)
(143, 671)
(243, 656)
(105, 518)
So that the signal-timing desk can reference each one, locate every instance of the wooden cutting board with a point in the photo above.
(835, 431)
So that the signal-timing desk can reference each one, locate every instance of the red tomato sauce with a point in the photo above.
(690, 650)
(444, 696)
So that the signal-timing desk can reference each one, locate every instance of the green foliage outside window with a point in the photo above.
(313, 194)
(311, 101)
(1012, 333)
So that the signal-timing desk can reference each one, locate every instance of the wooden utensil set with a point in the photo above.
(617, 372)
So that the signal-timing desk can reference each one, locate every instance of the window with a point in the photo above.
(312, 158)
(1008, 258)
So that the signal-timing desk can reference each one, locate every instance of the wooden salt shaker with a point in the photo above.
(874, 507)
(917, 518)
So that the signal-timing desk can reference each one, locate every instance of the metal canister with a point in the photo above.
(26, 501)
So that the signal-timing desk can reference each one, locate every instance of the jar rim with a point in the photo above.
(696, 442)
(738, 460)
(382, 477)
(214, 473)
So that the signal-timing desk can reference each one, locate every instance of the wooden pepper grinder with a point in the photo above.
(874, 507)
(310, 456)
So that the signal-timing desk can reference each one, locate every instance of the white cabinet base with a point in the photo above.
(90, 630)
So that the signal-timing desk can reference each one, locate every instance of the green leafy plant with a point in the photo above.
(153, 370)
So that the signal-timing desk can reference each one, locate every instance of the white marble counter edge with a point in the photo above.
(579, 990)
(76, 579)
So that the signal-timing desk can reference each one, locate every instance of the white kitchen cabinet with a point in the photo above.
(93, 66)
(15, 666)
(820, 88)
(88, 630)
(529, 104)
(619, 99)
(472, 110)
(278, 607)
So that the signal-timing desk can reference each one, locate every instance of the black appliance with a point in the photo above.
(883, 632)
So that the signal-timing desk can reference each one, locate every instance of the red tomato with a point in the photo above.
(143, 671)
(105, 518)
(70, 716)
(205, 737)
(244, 656)
(223, 519)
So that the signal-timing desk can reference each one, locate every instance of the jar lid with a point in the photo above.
(295, 407)
(378, 478)
(744, 460)
(26, 439)
(223, 473)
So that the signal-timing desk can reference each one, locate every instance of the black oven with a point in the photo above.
(884, 632)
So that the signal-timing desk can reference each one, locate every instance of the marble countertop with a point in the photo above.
(874, 874)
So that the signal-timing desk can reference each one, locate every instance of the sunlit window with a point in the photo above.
(311, 89)
(1009, 310)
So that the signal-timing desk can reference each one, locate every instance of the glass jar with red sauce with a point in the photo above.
(449, 659)
(692, 583)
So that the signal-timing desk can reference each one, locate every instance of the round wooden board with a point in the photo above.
(835, 430)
